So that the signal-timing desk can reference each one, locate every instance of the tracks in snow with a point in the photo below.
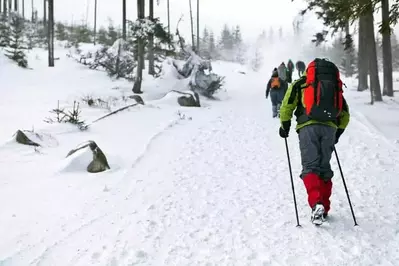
(217, 191)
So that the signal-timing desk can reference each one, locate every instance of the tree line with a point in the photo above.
(340, 15)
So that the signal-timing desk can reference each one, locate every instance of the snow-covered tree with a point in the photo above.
(212, 46)
(60, 32)
(16, 43)
(4, 31)
(102, 36)
(257, 56)
(271, 35)
(204, 44)
(226, 44)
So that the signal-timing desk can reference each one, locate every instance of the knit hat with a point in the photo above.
(275, 73)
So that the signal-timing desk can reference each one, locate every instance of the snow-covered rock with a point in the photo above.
(86, 157)
(182, 98)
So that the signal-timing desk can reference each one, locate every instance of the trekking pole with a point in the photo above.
(292, 183)
(346, 189)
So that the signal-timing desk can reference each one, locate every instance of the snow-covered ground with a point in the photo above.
(187, 186)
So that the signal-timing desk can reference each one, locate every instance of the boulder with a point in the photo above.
(21, 138)
(97, 163)
(189, 100)
(137, 98)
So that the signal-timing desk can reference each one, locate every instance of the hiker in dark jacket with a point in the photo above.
(290, 70)
(276, 87)
(300, 66)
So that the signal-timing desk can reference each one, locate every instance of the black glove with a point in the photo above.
(338, 134)
(285, 129)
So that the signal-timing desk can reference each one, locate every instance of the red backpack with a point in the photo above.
(322, 97)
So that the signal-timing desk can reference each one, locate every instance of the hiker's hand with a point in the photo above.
(285, 129)
(283, 133)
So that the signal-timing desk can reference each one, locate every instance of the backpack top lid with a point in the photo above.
(322, 69)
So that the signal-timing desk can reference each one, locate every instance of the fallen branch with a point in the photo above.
(114, 112)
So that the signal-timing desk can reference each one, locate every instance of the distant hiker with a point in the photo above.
(282, 71)
(290, 70)
(276, 87)
(320, 123)
(300, 66)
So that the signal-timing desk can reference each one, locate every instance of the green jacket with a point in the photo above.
(291, 103)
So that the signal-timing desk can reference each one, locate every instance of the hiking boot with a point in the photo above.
(317, 214)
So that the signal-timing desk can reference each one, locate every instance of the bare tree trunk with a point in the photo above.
(151, 57)
(95, 22)
(348, 59)
(16, 5)
(198, 28)
(33, 12)
(124, 19)
(140, 48)
(373, 61)
(192, 27)
(50, 37)
(387, 50)
(168, 17)
(45, 12)
(9, 5)
(362, 57)
(5, 7)
(23, 9)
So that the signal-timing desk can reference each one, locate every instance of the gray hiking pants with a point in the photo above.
(276, 96)
(316, 143)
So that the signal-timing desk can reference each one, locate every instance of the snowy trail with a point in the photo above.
(216, 191)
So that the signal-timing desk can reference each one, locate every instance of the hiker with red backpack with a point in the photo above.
(322, 116)
(276, 87)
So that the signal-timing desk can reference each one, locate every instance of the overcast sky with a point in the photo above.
(251, 15)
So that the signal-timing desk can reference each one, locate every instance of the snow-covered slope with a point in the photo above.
(199, 186)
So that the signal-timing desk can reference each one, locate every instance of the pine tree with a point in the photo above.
(60, 32)
(349, 61)
(112, 33)
(237, 37)
(212, 46)
(257, 59)
(83, 34)
(226, 44)
(102, 36)
(271, 35)
(239, 47)
(204, 44)
(16, 42)
(226, 39)
(4, 31)
(336, 52)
